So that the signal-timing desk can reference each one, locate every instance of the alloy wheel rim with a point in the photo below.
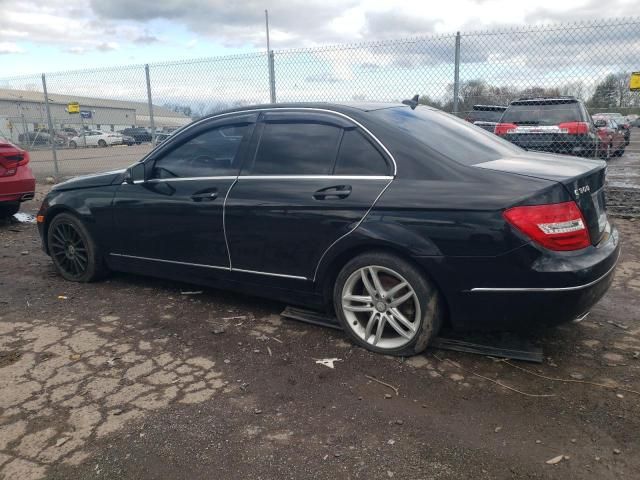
(381, 307)
(69, 249)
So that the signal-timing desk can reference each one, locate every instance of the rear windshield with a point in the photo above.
(547, 114)
(454, 138)
(484, 115)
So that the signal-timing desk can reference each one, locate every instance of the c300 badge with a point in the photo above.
(580, 190)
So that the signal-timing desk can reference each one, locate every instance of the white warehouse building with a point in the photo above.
(25, 111)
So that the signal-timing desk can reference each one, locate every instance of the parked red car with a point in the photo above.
(612, 137)
(17, 183)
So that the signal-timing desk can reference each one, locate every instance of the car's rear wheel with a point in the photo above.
(7, 209)
(102, 143)
(73, 251)
(386, 304)
(73, 144)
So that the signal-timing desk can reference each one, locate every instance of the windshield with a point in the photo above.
(457, 139)
(549, 114)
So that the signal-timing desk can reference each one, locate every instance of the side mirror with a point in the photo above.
(600, 123)
(135, 174)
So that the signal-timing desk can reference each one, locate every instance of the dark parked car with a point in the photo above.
(139, 134)
(37, 138)
(128, 141)
(612, 141)
(486, 116)
(623, 122)
(398, 220)
(550, 124)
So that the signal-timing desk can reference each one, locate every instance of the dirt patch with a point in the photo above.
(127, 378)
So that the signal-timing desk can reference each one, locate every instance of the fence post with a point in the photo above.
(456, 75)
(272, 77)
(52, 137)
(151, 121)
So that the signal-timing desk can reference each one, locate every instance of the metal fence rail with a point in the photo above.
(589, 60)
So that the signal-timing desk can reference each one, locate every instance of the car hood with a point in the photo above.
(557, 168)
(95, 180)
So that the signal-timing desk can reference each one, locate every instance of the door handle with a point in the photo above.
(205, 195)
(338, 191)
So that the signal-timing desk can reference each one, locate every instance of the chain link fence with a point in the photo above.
(108, 118)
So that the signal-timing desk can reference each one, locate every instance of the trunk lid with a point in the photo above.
(583, 180)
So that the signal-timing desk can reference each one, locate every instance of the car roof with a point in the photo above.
(344, 107)
(495, 108)
(544, 100)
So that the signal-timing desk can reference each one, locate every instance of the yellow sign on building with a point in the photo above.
(73, 107)
(634, 81)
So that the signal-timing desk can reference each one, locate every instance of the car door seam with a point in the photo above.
(224, 222)
(315, 273)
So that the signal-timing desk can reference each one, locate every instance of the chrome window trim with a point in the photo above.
(285, 109)
(547, 289)
(215, 267)
(186, 179)
(315, 177)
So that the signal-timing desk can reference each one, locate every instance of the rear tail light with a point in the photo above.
(11, 157)
(558, 226)
(504, 128)
(574, 128)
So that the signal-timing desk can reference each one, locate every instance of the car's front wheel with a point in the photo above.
(8, 209)
(73, 251)
(387, 305)
(102, 143)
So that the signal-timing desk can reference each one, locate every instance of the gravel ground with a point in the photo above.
(130, 378)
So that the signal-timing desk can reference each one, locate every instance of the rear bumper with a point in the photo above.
(528, 287)
(581, 146)
(19, 187)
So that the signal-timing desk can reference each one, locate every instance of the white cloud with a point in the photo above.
(10, 47)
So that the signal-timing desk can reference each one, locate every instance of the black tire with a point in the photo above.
(73, 144)
(429, 298)
(85, 262)
(102, 143)
(8, 209)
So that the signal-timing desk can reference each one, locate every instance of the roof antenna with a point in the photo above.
(413, 103)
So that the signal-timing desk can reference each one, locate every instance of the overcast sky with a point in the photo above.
(57, 35)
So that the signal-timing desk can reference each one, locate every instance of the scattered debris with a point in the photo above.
(194, 292)
(570, 380)
(554, 460)
(117, 411)
(276, 339)
(75, 356)
(218, 330)
(497, 429)
(399, 422)
(62, 297)
(395, 389)
(495, 381)
(391, 442)
(257, 411)
(388, 396)
(616, 324)
(24, 217)
(237, 317)
(24, 252)
(577, 376)
(269, 350)
(617, 451)
(227, 361)
(61, 441)
(328, 362)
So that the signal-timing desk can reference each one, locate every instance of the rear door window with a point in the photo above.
(358, 156)
(296, 148)
(485, 115)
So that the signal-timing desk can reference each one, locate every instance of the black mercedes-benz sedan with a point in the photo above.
(398, 220)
